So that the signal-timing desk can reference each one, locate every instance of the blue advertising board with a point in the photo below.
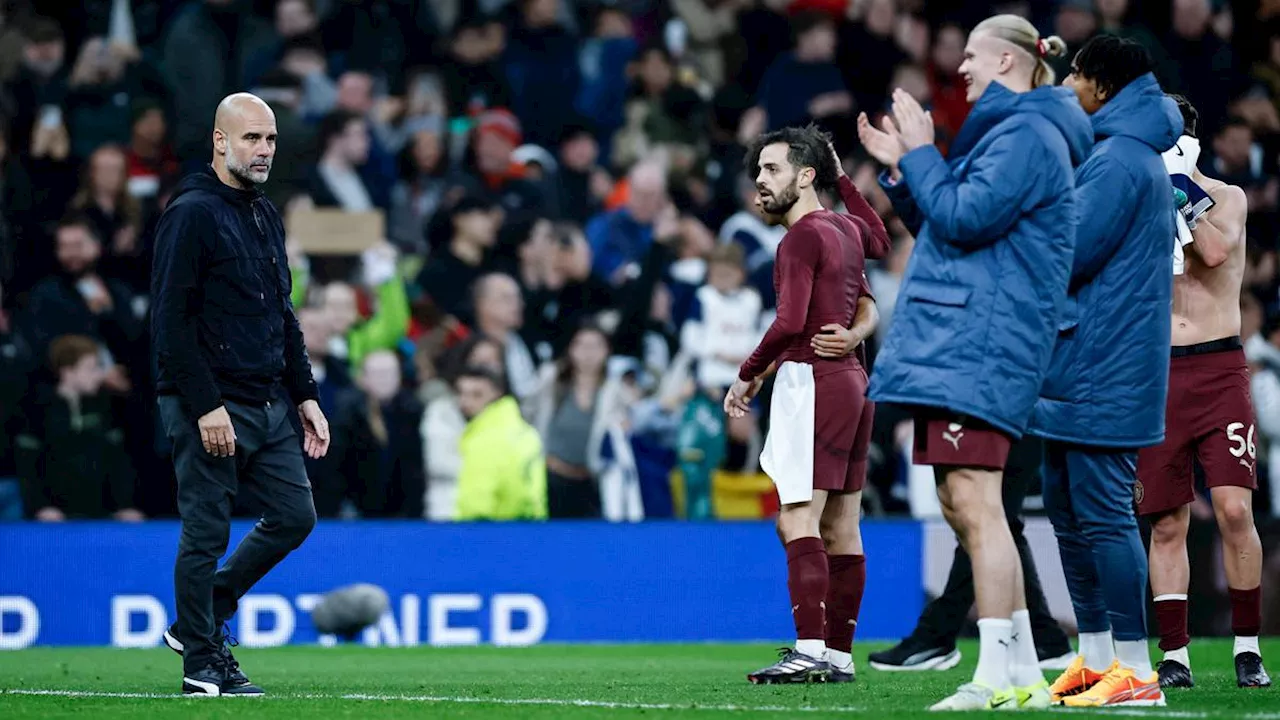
(506, 584)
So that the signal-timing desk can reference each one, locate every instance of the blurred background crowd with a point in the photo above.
(520, 232)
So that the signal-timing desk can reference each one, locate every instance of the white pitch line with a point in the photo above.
(458, 700)
(601, 704)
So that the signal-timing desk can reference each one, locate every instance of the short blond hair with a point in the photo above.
(1019, 31)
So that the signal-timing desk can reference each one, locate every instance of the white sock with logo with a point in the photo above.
(995, 636)
(1024, 664)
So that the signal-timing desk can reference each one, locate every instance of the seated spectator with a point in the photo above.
(79, 301)
(502, 475)
(804, 85)
(724, 324)
(573, 410)
(71, 457)
(304, 58)
(662, 113)
(620, 239)
(500, 315)
(106, 79)
(377, 449)
(420, 192)
(447, 278)
(344, 147)
(604, 59)
(354, 335)
(116, 215)
(473, 78)
(493, 171)
(356, 96)
(332, 374)
(1239, 159)
(541, 65)
(150, 156)
(35, 96)
(758, 240)
(583, 184)
(443, 422)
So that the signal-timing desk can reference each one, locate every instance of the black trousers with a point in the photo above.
(572, 498)
(944, 618)
(266, 474)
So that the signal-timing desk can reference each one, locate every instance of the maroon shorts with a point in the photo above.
(1209, 417)
(945, 438)
(842, 417)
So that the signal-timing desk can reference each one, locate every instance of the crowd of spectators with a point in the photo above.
(571, 268)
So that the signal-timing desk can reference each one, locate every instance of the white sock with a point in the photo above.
(1024, 664)
(840, 660)
(1135, 655)
(1180, 656)
(994, 638)
(813, 648)
(1247, 644)
(1097, 649)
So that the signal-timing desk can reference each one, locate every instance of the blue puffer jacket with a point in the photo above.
(975, 322)
(1109, 377)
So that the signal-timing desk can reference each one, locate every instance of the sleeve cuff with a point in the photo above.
(202, 402)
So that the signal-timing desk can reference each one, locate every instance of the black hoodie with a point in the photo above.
(222, 323)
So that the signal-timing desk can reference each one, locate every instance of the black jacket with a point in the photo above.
(222, 323)
(72, 457)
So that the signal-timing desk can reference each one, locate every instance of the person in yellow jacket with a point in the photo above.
(504, 469)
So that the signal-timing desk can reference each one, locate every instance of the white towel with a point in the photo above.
(787, 457)
(1181, 160)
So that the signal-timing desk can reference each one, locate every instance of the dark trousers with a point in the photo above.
(944, 618)
(266, 474)
(572, 498)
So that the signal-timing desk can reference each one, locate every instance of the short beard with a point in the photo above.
(780, 204)
(243, 172)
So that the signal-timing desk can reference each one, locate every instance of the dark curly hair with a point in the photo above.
(807, 147)
(1190, 116)
(1112, 62)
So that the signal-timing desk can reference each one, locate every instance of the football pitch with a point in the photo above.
(551, 681)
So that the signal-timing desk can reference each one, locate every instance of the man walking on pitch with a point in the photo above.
(230, 358)
(1103, 398)
(977, 314)
(1209, 418)
(817, 417)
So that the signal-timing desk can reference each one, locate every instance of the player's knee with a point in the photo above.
(204, 537)
(1235, 517)
(298, 522)
(1168, 529)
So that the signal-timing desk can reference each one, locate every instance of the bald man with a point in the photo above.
(231, 362)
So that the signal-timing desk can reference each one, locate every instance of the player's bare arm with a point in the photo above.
(837, 341)
(1222, 229)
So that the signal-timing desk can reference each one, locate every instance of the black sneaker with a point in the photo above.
(207, 682)
(1249, 671)
(1174, 674)
(237, 682)
(792, 667)
(914, 655)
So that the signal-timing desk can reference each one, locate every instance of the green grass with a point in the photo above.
(571, 682)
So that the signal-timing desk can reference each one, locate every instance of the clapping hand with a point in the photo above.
(914, 124)
(884, 143)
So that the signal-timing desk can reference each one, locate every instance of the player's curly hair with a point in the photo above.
(1190, 116)
(807, 147)
(1112, 62)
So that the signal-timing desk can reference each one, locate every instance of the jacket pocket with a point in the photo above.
(936, 321)
(936, 293)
